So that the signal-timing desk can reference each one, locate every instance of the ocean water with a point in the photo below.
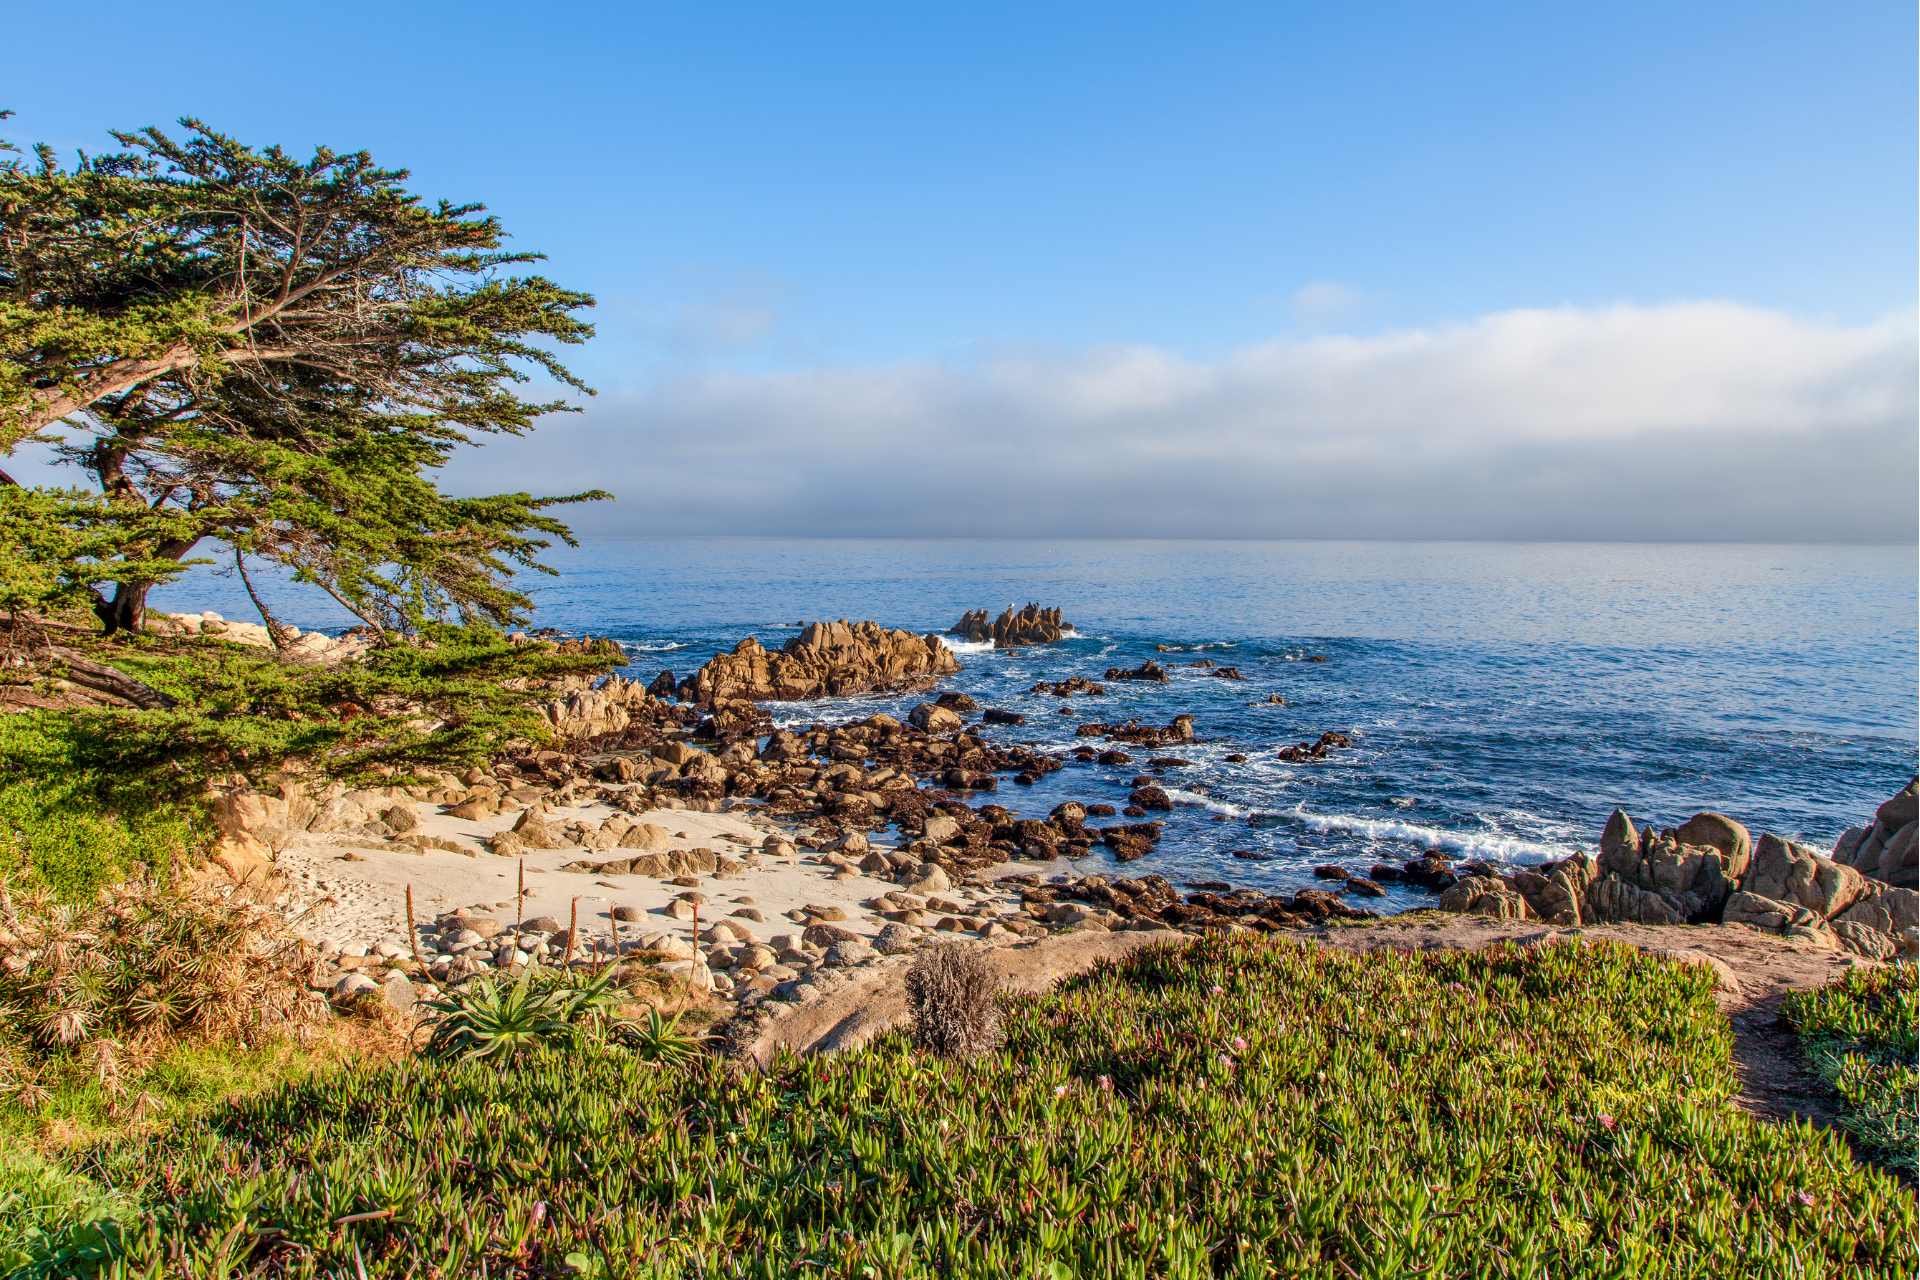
(1502, 698)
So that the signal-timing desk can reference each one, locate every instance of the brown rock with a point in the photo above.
(827, 659)
(931, 717)
(1485, 896)
(1793, 873)
(1030, 625)
(1718, 831)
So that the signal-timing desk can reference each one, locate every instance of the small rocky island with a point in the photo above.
(1030, 625)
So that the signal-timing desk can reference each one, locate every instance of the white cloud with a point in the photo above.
(1322, 300)
(1694, 420)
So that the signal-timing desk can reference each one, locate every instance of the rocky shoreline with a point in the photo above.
(673, 824)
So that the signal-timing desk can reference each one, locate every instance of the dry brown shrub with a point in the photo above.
(954, 995)
(146, 965)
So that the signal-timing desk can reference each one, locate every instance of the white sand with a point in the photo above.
(358, 900)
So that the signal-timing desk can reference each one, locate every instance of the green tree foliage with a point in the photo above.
(279, 353)
(57, 546)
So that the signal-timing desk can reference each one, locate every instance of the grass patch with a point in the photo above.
(69, 822)
(88, 795)
(1859, 1035)
(50, 1210)
(1235, 1107)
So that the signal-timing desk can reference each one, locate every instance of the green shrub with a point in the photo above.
(75, 826)
(88, 795)
(1860, 1036)
(48, 1212)
(1237, 1107)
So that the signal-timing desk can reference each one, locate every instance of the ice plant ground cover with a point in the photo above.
(1235, 1106)
(1860, 1035)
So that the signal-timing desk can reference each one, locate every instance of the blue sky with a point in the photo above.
(781, 192)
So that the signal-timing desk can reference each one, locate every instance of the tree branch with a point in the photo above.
(104, 679)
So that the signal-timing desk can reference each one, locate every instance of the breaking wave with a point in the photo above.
(1483, 844)
(1208, 803)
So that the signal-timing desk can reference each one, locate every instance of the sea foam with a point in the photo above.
(1481, 844)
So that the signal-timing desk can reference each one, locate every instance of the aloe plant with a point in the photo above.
(494, 1018)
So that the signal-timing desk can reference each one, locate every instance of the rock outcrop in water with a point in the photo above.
(826, 660)
(1150, 671)
(1710, 870)
(1308, 752)
(1030, 625)
(1177, 730)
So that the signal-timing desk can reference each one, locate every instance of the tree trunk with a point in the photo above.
(276, 629)
(127, 610)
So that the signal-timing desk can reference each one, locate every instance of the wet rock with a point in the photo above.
(1150, 797)
(1068, 687)
(1179, 729)
(1308, 752)
(1149, 671)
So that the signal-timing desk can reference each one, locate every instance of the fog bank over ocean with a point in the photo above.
(1705, 421)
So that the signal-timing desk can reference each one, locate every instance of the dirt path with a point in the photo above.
(873, 1001)
(1755, 973)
